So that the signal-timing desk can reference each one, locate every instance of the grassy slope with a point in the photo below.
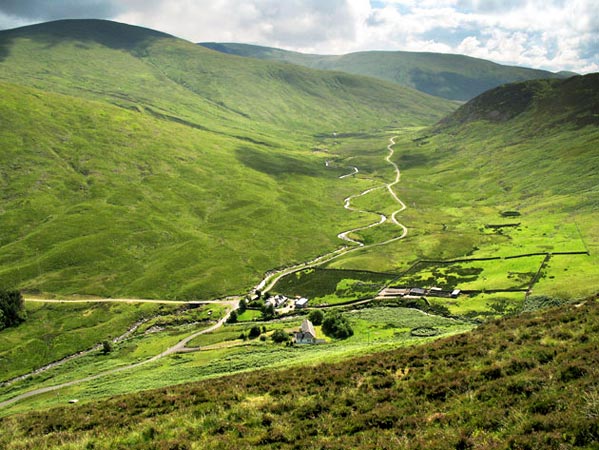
(134, 163)
(140, 68)
(223, 353)
(55, 330)
(537, 156)
(455, 77)
(529, 381)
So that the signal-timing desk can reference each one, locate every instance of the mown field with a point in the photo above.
(326, 287)
(529, 381)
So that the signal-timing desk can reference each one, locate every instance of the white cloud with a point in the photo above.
(549, 34)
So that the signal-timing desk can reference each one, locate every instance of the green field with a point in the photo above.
(332, 286)
(55, 330)
(375, 329)
(460, 177)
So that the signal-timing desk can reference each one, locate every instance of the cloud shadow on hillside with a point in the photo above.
(276, 164)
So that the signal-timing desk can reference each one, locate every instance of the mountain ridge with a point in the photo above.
(67, 56)
(451, 76)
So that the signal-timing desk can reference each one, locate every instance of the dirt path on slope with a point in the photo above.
(179, 347)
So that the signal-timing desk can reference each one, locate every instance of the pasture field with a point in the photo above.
(375, 329)
(326, 287)
(458, 187)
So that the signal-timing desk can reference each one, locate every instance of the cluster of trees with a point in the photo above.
(336, 326)
(333, 324)
(12, 309)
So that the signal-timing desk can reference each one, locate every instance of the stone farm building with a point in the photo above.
(306, 334)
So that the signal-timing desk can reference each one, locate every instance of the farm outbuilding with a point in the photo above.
(301, 303)
(306, 333)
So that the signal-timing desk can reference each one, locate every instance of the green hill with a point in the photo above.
(547, 103)
(139, 68)
(524, 382)
(455, 77)
(511, 176)
(137, 164)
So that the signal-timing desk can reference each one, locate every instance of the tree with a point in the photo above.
(316, 317)
(336, 326)
(268, 311)
(280, 336)
(242, 306)
(106, 347)
(12, 306)
(254, 332)
(232, 317)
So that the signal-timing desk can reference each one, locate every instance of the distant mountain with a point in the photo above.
(135, 67)
(133, 163)
(455, 77)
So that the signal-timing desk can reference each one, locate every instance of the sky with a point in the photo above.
(546, 34)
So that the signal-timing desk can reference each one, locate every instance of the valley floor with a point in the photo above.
(492, 280)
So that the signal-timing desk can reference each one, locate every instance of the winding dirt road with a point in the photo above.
(271, 278)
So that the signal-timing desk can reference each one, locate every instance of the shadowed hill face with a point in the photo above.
(140, 68)
(455, 77)
(107, 33)
(575, 101)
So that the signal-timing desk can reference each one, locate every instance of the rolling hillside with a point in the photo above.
(143, 69)
(511, 173)
(137, 164)
(455, 77)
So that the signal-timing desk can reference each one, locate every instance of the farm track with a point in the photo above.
(179, 347)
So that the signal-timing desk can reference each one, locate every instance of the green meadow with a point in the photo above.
(221, 353)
